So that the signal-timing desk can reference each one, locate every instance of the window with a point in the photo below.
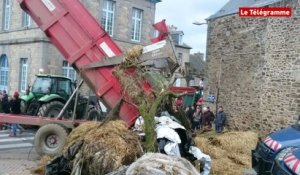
(177, 82)
(192, 83)
(68, 71)
(136, 24)
(180, 39)
(108, 14)
(63, 87)
(6, 14)
(41, 85)
(26, 20)
(23, 74)
(3, 72)
(179, 58)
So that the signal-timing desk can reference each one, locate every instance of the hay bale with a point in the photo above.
(80, 132)
(107, 147)
(161, 164)
(230, 152)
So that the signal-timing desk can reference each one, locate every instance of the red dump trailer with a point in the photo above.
(83, 43)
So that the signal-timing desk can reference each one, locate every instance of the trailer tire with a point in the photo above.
(51, 109)
(23, 107)
(50, 139)
(94, 115)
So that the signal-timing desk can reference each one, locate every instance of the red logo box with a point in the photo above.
(265, 12)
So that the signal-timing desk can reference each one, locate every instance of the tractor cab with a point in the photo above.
(50, 84)
(48, 95)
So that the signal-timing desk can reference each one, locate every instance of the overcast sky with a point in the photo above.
(182, 14)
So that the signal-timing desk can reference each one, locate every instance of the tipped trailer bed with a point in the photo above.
(93, 54)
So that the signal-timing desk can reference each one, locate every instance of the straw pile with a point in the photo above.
(230, 152)
(106, 147)
(160, 164)
(80, 132)
(40, 169)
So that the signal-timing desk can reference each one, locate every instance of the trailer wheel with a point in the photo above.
(94, 115)
(50, 139)
(51, 109)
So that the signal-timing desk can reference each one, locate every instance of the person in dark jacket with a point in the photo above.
(207, 119)
(5, 103)
(220, 120)
(189, 113)
(15, 108)
(211, 115)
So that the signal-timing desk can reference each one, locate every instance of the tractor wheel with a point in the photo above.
(23, 107)
(50, 139)
(94, 115)
(51, 109)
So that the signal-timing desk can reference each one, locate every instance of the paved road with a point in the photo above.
(25, 140)
(17, 155)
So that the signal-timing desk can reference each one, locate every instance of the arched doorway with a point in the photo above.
(4, 72)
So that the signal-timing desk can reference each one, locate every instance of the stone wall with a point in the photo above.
(255, 62)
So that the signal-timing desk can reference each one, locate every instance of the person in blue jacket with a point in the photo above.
(220, 120)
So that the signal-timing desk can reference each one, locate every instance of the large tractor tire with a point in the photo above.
(51, 109)
(94, 115)
(50, 139)
(23, 107)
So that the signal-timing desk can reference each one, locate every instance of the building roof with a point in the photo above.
(232, 6)
(183, 45)
(155, 1)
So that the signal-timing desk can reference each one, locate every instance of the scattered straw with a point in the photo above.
(40, 169)
(230, 152)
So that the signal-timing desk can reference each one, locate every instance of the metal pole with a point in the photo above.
(69, 100)
(75, 106)
(219, 83)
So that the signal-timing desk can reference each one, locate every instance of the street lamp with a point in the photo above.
(199, 23)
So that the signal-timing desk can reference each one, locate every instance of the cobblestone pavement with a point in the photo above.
(17, 161)
(17, 155)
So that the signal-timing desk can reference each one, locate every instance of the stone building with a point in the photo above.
(254, 63)
(25, 50)
(191, 64)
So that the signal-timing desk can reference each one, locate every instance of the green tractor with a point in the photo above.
(49, 94)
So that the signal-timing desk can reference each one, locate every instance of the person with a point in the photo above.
(15, 108)
(189, 113)
(206, 123)
(220, 120)
(5, 103)
(179, 103)
(1, 96)
(211, 116)
(196, 119)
